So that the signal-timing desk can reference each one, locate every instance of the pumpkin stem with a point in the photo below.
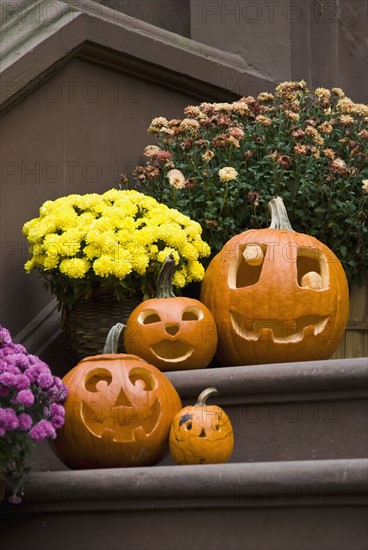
(112, 340)
(201, 401)
(279, 216)
(164, 279)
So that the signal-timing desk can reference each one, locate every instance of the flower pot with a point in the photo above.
(89, 321)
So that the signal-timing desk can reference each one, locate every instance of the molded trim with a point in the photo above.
(47, 33)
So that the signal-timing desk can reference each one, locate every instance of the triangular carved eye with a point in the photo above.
(247, 267)
(149, 316)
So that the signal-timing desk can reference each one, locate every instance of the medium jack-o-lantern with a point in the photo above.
(276, 295)
(171, 333)
(201, 433)
(118, 411)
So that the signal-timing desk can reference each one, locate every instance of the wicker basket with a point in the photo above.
(90, 320)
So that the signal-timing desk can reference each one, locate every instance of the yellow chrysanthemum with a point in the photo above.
(180, 277)
(51, 262)
(104, 266)
(75, 268)
(140, 262)
(196, 270)
(163, 254)
(116, 234)
(189, 251)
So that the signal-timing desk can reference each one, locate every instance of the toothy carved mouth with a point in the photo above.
(124, 423)
(172, 351)
(276, 330)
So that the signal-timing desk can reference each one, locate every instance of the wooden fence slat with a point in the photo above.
(355, 341)
(358, 303)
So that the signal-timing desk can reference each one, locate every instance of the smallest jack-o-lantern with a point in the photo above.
(171, 332)
(201, 434)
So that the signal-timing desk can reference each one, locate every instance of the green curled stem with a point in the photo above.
(201, 401)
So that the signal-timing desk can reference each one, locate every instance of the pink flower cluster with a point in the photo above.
(30, 407)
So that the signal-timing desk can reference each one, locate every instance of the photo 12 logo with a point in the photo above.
(272, 11)
(53, 11)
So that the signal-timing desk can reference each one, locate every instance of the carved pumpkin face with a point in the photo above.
(201, 434)
(172, 333)
(277, 296)
(118, 413)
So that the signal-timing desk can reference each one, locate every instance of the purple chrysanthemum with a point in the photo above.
(7, 379)
(57, 409)
(25, 422)
(57, 421)
(22, 382)
(41, 430)
(25, 398)
(45, 380)
(26, 382)
(8, 419)
(5, 338)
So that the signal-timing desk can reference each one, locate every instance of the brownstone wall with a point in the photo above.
(76, 133)
(80, 89)
(321, 41)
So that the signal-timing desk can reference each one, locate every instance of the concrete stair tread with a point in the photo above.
(295, 411)
(298, 479)
(296, 505)
(213, 484)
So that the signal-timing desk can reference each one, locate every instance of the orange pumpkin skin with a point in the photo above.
(171, 333)
(289, 304)
(201, 434)
(118, 413)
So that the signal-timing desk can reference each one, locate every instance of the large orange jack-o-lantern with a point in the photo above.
(276, 295)
(172, 333)
(201, 433)
(118, 411)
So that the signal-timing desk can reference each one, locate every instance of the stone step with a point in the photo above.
(295, 411)
(292, 505)
(292, 411)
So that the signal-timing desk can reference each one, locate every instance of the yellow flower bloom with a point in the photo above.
(104, 266)
(265, 97)
(179, 278)
(75, 268)
(196, 270)
(176, 178)
(117, 236)
(322, 93)
(163, 254)
(266, 121)
(227, 174)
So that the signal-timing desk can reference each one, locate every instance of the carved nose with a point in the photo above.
(172, 329)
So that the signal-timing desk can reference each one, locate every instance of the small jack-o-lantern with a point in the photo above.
(276, 295)
(171, 333)
(201, 434)
(118, 411)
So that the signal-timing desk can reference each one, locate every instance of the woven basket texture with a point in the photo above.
(90, 320)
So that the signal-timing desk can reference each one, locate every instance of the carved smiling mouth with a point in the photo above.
(123, 423)
(172, 351)
(276, 330)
